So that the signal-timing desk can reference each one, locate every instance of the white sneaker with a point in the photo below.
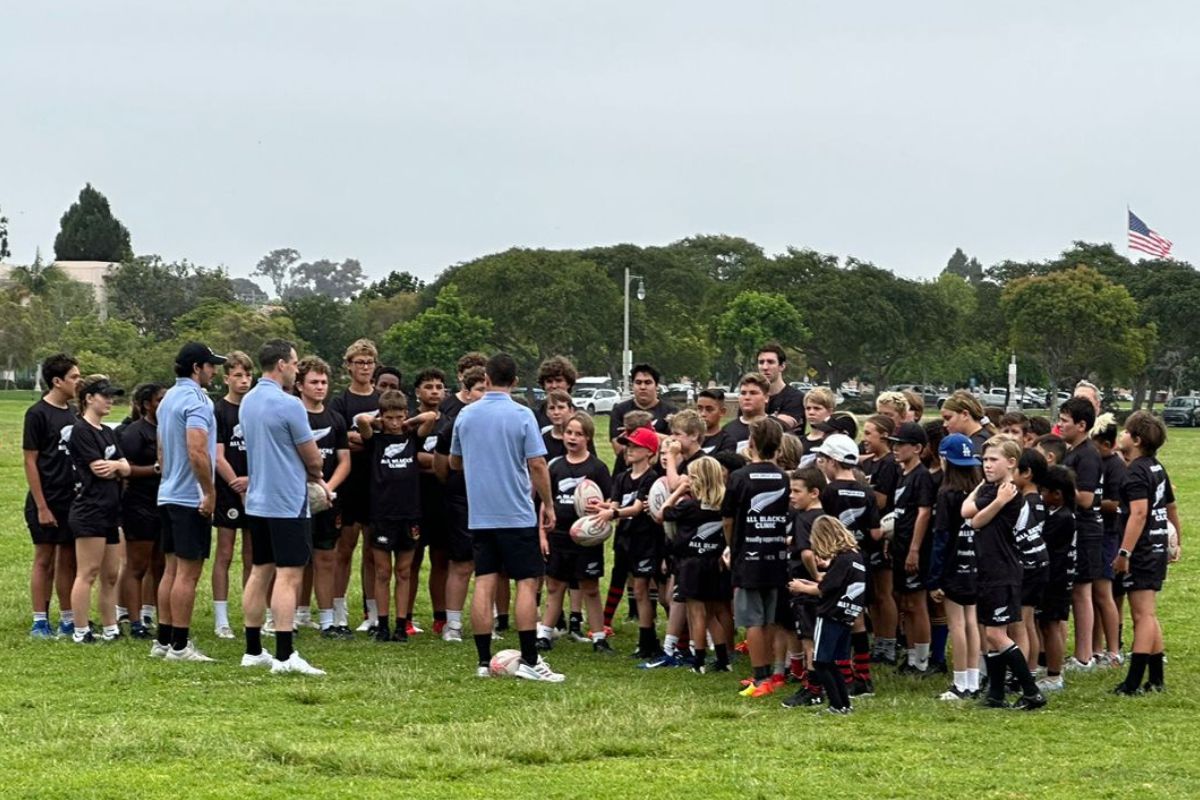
(1075, 665)
(539, 672)
(452, 634)
(189, 653)
(414, 627)
(365, 627)
(1051, 685)
(224, 632)
(496, 637)
(295, 664)
(1117, 660)
(263, 659)
(580, 636)
(483, 672)
(159, 650)
(268, 628)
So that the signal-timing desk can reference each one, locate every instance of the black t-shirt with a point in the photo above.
(789, 401)
(329, 432)
(843, 588)
(739, 432)
(883, 474)
(1147, 480)
(995, 544)
(139, 443)
(564, 477)
(699, 531)
(953, 560)
(433, 491)
(1114, 476)
(854, 505)
(616, 422)
(1085, 460)
(554, 447)
(455, 488)
(229, 434)
(348, 405)
(627, 490)
(978, 440)
(756, 498)
(1028, 533)
(1058, 532)
(914, 491)
(719, 442)
(395, 477)
(48, 430)
(451, 405)
(97, 506)
(802, 522)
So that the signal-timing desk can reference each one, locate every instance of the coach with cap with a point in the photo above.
(187, 454)
(282, 458)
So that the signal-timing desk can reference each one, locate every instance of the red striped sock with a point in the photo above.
(843, 665)
(615, 593)
(862, 666)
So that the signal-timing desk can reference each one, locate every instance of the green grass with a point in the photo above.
(413, 721)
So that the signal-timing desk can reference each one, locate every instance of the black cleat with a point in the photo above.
(1030, 702)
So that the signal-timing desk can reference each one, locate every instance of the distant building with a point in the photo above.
(90, 272)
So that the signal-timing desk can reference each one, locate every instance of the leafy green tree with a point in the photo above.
(395, 283)
(88, 231)
(437, 336)
(276, 266)
(4, 251)
(327, 325)
(34, 278)
(966, 268)
(104, 346)
(379, 314)
(152, 294)
(248, 292)
(754, 318)
(226, 326)
(329, 278)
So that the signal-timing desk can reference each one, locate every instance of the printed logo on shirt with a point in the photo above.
(391, 457)
(64, 437)
(321, 433)
(708, 450)
(1160, 493)
(900, 490)
(430, 443)
(763, 499)
(110, 451)
(568, 484)
(628, 498)
(850, 516)
(235, 439)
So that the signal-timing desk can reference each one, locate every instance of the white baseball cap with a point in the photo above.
(839, 447)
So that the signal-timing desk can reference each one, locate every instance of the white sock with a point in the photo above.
(454, 618)
(67, 616)
(340, 615)
(326, 618)
(148, 611)
(270, 618)
(921, 651)
(961, 681)
(973, 680)
(372, 611)
(221, 613)
(112, 630)
(598, 636)
(912, 657)
(670, 643)
(40, 616)
(122, 611)
(544, 631)
(303, 613)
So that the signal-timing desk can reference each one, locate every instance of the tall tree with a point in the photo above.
(754, 318)
(4, 251)
(88, 231)
(248, 292)
(395, 283)
(340, 281)
(966, 268)
(328, 325)
(152, 293)
(276, 266)
(437, 336)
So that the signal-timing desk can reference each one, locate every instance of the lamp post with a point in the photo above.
(626, 353)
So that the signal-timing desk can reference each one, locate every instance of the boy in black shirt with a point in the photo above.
(645, 380)
(1058, 532)
(755, 513)
(784, 402)
(51, 479)
(914, 497)
(808, 485)
(558, 409)
(752, 406)
(710, 404)
(140, 520)
(555, 374)
(1104, 437)
(431, 390)
(229, 516)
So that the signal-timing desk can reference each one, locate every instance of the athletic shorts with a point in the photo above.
(998, 605)
(458, 532)
(1108, 553)
(754, 607)
(395, 535)
(569, 562)
(783, 612)
(229, 512)
(185, 533)
(1147, 569)
(284, 542)
(435, 524)
(325, 530)
(1055, 605)
(700, 578)
(804, 617)
(110, 535)
(354, 497)
(645, 556)
(141, 524)
(50, 534)
(1089, 553)
(831, 641)
(517, 552)
(962, 589)
(901, 580)
(1033, 586)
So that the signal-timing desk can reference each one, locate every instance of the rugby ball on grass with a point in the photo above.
(590, 531)
(887, 524)
(317, 502)
(659, 494)
(1172, 541)
(505, 662)
(587, 489)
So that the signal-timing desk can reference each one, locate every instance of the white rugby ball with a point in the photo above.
(590, 531)
(505, 662)
(659, 494)
(1172, 541)
(587, 489)
(317, 502)
(888, 526)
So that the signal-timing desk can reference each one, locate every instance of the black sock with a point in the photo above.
(633, 606)
(283, 645)
(832, 681)
(502, 622)
(762, 674)
(995, 676)
(1020, 670)
(699, 656)
(576, 621)
(1156, 669)
(483, 648)
(383, 624)
(647, 640)
(561, 622)
(164, 634)
(1137, 669)
(722, 655)
(529, 653)
(179, 638)
(253, 641)
(439, 616)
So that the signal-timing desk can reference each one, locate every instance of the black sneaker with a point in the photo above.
(938, 668)
(139, 631)
(862, 688)
(330, 633)
(991, 702)
(803, 698)
(1030, 702)
(401, 634)
(840, 712)
(544, 645)
(602, 647)
(1153, 688)
(381, 634)
(344, 632)
(910, 669)
(1122, 689)
(718, 666)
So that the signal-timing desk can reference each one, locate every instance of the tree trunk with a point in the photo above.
(1139, 391)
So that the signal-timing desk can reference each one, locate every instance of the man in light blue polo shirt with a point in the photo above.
(187, 455)
(282, 459)
(499, 447)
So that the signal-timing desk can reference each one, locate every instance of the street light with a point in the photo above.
(626, 353)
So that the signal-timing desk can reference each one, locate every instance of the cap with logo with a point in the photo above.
(909, 433)
(957, 450)
(640, 437)
(196, 353)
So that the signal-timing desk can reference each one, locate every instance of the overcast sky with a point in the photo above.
(413, 136)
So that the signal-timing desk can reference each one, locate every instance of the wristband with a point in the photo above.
(1123, 553)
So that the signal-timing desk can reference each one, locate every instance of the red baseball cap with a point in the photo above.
(641, 437)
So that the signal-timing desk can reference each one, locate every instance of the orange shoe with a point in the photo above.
(742, 647)
(608, 632)
(778, 679)
(761, 690)
(747, 681)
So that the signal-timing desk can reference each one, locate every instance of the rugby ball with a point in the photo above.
(887, 524)
(590, 531)
(659, 494)
(317, 501)
(1172, 541)
(505, 662)
(586, 490)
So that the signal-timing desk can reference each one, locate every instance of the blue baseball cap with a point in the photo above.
(957, 450)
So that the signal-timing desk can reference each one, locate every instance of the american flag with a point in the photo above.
(1146, 240)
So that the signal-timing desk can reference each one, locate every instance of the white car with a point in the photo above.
(595, 401)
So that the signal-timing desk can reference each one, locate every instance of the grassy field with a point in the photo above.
(413, 721)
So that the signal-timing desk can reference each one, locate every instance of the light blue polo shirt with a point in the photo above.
(496, 436)
(273, 425)
(184, 407)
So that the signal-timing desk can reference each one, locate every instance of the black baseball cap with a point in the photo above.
(838, 423)
(196, 353)
(910, 433)
(103, 386)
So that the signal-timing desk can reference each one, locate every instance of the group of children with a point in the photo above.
(827, 552)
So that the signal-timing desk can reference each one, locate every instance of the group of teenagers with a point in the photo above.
(984, 530)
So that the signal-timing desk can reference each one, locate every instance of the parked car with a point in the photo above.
(1182, 411)
(993, 397)
(595, 401)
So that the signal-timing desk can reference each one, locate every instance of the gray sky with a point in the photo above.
(413, 136)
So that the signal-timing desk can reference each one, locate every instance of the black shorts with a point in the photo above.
(700, 579)
(354, 499)
(185, 533)
(435, 525)
(571, 562)
(284, 542)
(325, 530)
(229, 512)
(644, 555)
(1033, 586)
(458, 532)
(962, 588)
(962, 598)
(1088, 556)
(1055, 605)
(1147, 568)
(783, 612)
(831, 641)
(50, 534)
(1108, 553)
(517, 552)
(395, 535)
(111, 535)
(902, 582)
(998, 605)
(141, 524)
(804, 617)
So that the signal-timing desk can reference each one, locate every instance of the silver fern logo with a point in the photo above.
(710, 529)
(760, 501)
(321, 433)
